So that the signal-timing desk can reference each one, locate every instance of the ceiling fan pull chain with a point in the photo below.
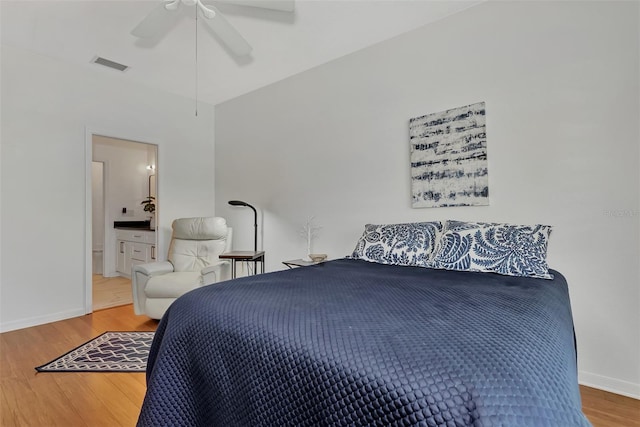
(196, 9)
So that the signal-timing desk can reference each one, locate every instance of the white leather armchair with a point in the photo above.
(192, 262)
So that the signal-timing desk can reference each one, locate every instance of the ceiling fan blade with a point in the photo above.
(225, 31)
(281, 5)
(157, 21)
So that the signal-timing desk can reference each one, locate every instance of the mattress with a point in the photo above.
(353, 343)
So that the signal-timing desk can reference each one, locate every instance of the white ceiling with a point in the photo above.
(284, 44)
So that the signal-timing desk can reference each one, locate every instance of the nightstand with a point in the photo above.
(300, 263)
(244, 256)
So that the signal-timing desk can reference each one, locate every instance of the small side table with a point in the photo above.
(244, 256)
(300, 263)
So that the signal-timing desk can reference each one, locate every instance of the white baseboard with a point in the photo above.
(40, 320)
(612, 385)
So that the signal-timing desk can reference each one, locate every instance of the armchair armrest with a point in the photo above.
(154, 268)
(215, 272)
(140, 275)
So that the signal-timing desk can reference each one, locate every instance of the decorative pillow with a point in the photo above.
(513, 250)
(465, 225)
(399, 244)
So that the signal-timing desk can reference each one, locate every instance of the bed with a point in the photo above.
(351, 342)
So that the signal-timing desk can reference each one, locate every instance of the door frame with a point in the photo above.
(90, 132)
(105, 209)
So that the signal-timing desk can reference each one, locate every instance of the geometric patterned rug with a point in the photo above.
(110, 352)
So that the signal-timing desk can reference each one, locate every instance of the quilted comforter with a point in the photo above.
(352, 343)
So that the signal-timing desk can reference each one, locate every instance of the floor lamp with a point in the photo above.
(255, 221)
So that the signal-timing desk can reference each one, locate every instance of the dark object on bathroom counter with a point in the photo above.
(133, 225)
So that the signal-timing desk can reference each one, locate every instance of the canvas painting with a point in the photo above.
(449, 158)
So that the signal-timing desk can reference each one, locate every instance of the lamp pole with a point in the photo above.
(255, 228)
(255, 220)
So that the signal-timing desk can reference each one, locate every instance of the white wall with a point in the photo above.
(560, 82)
(47, 107)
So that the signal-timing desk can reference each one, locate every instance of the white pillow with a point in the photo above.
(514, 250)
(399, 244)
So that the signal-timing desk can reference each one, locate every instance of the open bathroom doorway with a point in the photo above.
(121, 173)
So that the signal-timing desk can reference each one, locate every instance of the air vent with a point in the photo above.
(111, 64)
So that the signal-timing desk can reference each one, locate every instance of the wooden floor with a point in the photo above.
(28, 398)
(111, 292)
(609, 410)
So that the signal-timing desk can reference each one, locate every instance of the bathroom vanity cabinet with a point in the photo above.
(134, 247)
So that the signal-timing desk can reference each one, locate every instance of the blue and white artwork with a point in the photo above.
(449, 158)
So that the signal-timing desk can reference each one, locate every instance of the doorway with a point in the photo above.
(107, 292)
(118, 181)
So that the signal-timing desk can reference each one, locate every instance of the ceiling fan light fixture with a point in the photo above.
(172, 5)
(163, 16)
(208, 13)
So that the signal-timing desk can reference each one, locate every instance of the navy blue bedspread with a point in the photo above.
(352, 343)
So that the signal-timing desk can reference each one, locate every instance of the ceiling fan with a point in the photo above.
(165, 14)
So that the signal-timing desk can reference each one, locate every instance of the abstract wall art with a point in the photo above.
(449, 158)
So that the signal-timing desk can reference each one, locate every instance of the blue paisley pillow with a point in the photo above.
(399, 244)
(513, 250)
